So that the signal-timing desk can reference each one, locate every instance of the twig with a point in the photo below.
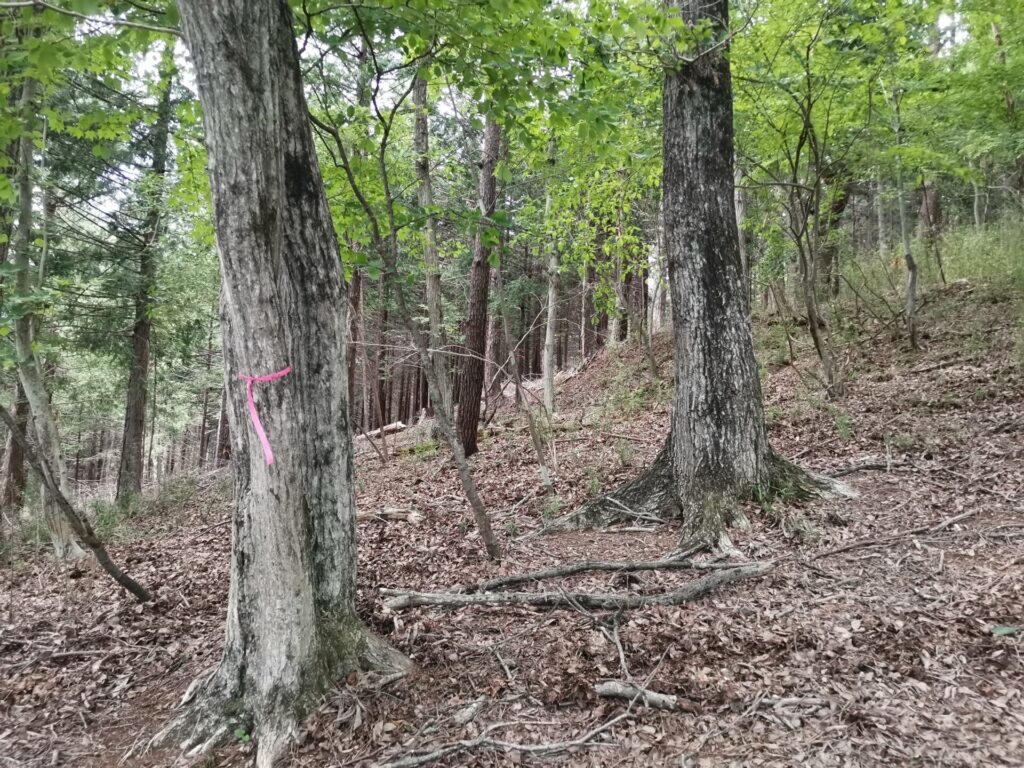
(884, 466)
(896, 536)
(620, 689)
(692, 591)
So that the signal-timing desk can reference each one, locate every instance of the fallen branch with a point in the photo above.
(588, 566)
(484, 740)
(620, 689)
(79, 524)
(879, 465)
(896, 536)
(605, 602)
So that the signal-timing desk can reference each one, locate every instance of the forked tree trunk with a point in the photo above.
(471, 388)
(129, 475)
(292, 628)
(717, 453)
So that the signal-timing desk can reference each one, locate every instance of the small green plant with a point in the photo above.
(593, 481)
(242, 736)
(552, 508)
(426, 449)
(900, 441)
(844, 427)
(463, 527)
(511, 528)
(625, 452)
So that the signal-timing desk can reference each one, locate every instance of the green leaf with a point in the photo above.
(1004, 631)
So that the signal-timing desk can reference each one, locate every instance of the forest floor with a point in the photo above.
(888, 632)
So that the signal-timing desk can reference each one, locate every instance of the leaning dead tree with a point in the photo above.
(78, 524)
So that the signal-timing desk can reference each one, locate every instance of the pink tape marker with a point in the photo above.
(254, 415)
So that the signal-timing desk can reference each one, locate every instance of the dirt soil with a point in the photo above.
(888, 631)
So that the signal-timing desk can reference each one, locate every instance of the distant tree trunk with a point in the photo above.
(129, 475)
(551, 326)
(883, 239)
(931, 224)
(355, 351)
(828, 248)
(13, 488)
(910, 306)
(204, 434)
(30, 372)
(744, 241)
(425, 197)
(292, 627)
(496, 352)
(979, 206)
(588, 332)
(222, 454)
(717, 453)
(472, 385)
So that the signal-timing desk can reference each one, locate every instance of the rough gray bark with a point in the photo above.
(129, 475)
(292, 627)
(719, 444)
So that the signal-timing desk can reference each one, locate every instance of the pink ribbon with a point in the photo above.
(254, 415)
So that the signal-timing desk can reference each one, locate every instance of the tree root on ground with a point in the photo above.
(217, 706)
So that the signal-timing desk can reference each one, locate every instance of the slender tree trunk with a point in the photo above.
(883, 239)
(910, 305)
(129, 475)
(472, 385)
(29, 371)
(744, 236)
(538, 443)
(979, 207)
(930, 219)
(551, 327)
(13, 489)
(425, 197)
(222, 453)
(292, 628)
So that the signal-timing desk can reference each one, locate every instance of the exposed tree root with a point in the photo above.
(222, 703)
(706, 516)
(649, 496)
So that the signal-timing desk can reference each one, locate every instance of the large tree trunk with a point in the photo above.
(719, 445)
(471, 388)
(129, 475)
(717, 453)
(292, 628)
